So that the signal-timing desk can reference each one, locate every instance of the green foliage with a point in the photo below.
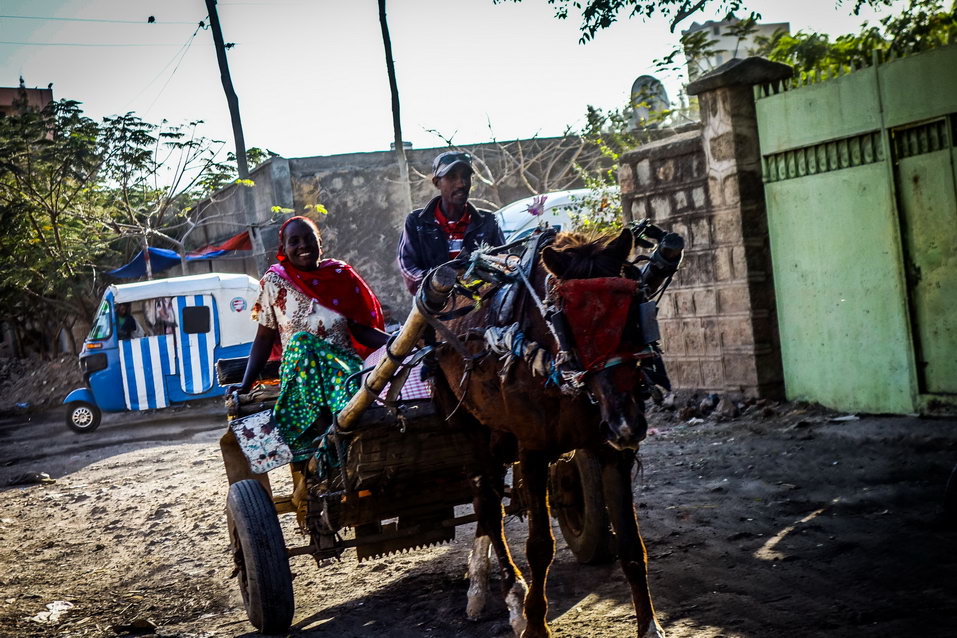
(612, 133)
(50, 164)
(601, 14)
(78, 197)
(924, 24)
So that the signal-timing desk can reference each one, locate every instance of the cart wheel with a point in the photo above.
(580, 508)
(260, 554)
(950, 497)
(82, 417)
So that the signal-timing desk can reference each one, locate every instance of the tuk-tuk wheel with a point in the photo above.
(577, 500)
(82, 417)
(259, 552)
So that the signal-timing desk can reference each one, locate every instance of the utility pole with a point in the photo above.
(400, 157)
(246, 195)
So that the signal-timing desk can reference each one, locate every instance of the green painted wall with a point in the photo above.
(844, 327)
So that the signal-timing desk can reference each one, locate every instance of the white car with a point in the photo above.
(516, 221)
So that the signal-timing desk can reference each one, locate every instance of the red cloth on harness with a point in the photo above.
(596, 311)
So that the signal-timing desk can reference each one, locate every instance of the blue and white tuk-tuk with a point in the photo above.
(155, 344)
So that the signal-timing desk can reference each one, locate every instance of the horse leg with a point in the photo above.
(616, 483)
(540, 547)
(478, 574)
(487, 502)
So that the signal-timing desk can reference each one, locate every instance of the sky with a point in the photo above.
(311, 76)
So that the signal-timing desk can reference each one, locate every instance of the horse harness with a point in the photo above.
(508, 275)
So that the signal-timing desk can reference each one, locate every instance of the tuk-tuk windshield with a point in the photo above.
(102, 326)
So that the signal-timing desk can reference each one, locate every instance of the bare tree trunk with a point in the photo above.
(400, 158)
(146, 257)
(242, 166)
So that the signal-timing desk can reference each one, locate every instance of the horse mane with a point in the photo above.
(583, 255)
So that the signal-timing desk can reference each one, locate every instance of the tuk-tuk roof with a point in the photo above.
(174, 286)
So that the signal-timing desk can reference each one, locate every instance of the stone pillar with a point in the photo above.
(743, 284)
(718, 321)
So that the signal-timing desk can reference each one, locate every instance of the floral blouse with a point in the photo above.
(283, 307)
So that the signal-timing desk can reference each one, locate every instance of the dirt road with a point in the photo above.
(781, 526)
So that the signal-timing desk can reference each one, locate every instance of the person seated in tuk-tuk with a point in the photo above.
(125, 323)
(324, 319)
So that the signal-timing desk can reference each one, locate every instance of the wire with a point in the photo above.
(89, 20)
(182, 49)
(189, 42)
(81, 44)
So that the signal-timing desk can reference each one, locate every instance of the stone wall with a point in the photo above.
(718, 324)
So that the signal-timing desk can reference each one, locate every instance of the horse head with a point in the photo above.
(600, 310)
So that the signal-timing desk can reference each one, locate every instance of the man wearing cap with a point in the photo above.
(449, 226)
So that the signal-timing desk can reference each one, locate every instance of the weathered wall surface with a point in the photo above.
(717, 319)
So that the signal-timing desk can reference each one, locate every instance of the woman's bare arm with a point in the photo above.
(258, 355)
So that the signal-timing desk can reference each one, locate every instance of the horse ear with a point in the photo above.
(620, 246)
(556, 261)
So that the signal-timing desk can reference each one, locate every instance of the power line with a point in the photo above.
(182, 56)
(167, 65)
(90, 20)
(82, 44)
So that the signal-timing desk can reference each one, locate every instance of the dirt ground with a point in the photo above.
(780, 523)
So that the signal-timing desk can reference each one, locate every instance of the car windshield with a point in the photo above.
(102, 326)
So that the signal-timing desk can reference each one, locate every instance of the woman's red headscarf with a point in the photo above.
(334, 284)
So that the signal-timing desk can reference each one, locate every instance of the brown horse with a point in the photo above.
(600, 409)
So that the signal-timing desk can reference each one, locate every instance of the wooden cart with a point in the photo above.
(406, 468)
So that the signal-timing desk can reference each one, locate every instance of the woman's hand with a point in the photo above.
(237, 388)
(258, 355)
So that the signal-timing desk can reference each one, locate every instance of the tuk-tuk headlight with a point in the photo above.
(93, 363)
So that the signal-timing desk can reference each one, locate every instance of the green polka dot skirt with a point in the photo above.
(313, 375)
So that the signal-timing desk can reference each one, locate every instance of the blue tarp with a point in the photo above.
(160, 259)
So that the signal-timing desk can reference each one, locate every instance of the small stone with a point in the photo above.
(32, 478)
(726, 409)
(138, 626)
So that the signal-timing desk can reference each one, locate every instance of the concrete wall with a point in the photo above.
(719, 328)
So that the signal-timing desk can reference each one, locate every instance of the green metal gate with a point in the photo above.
(861, 192)
(927, 193)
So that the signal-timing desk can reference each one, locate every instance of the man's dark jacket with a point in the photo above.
(424, 245)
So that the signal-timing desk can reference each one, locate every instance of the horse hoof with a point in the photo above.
(515, 601)
(478, 577)
(477, 597)
(654, 631)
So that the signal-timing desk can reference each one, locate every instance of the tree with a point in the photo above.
(923, 24)
(50, 163)
(601, 14)
(155, 174)
(77, 197)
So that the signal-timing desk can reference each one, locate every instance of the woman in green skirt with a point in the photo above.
(323, 319)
